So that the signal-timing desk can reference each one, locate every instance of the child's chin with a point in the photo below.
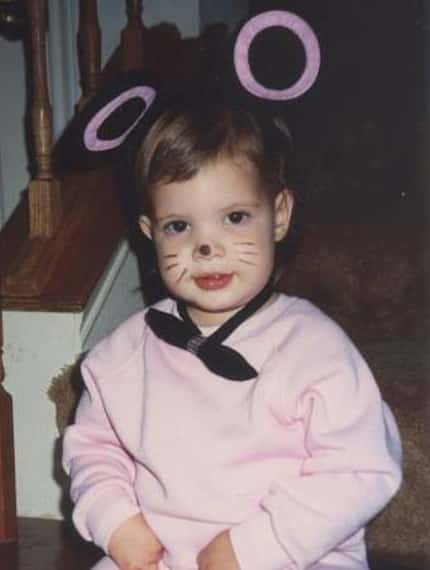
(212, 313)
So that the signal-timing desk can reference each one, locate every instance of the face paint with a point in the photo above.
(247, 35)
(205, 249)
(215, 237)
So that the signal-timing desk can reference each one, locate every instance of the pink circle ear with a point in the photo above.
(303, 31)
(91, 139)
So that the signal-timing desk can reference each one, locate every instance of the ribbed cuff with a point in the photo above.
(107, 515)
(256, 546)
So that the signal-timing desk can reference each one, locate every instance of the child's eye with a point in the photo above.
(237, 217)
(175, 227)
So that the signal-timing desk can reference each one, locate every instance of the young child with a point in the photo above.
(229, 426)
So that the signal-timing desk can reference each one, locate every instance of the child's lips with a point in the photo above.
(213, 281)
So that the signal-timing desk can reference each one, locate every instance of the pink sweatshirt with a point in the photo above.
(294, 462)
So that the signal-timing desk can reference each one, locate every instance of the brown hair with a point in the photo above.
(189, 136)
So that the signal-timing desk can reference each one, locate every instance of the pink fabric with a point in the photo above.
(107, 563)
(293, 463)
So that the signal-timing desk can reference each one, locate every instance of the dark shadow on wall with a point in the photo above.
(362, 130)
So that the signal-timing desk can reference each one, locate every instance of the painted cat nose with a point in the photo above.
(205, 249)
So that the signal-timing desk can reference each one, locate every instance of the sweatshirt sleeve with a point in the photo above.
(101, 471)
(351, 467)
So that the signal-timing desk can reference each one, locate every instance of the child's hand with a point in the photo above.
(218, 554)
(134, 546)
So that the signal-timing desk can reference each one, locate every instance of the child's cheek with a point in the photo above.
(165, 242)
(169, 245)
(252, 230)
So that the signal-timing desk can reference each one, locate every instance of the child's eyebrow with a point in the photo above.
(229, 208)
(239, 205)
(172, 216)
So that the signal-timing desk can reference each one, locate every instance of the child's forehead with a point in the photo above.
(221, 167)
(217, 184)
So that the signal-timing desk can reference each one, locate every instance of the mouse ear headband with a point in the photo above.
(130, 106)
(267, 21)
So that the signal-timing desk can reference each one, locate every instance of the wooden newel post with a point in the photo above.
(89, 47)
(132, 37)
(44, 189)
(8, 530)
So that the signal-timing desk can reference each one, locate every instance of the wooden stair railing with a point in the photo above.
(44, 190)
(132, 53)
(56, 245)
(8, 527)
(89, 45)
(60, 217)
(89, 49)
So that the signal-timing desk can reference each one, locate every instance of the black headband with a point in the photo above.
(130, 105)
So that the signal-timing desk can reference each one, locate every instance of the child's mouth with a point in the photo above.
(213, 281)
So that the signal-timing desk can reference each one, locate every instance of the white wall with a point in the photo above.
(13, 156)
(37, 346)
(183, 13)
(63, 68)
(230, 13)
(117, 296)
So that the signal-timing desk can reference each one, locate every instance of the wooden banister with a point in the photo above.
(43, 270)
(32, 264)
(89, 47)
(44, 189)
(8, 530)
(132, 55)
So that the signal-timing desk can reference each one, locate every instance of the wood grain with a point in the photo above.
(132, 49)
(45, 196)
(8, 528)
(89, 48)
(58, 270)
(59, 274)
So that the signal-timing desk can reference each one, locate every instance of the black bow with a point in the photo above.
(218, 358)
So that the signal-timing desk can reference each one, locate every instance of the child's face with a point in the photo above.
(215, 237)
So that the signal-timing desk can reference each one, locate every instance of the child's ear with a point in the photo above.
(145, 226)
(284, 204)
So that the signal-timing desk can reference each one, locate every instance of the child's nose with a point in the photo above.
(207, 249)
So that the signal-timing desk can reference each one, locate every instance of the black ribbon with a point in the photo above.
(218, 358)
